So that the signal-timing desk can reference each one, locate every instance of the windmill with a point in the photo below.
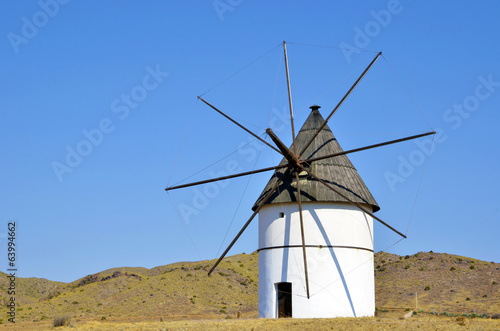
(315, 223)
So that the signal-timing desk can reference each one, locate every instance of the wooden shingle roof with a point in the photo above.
(337, 171)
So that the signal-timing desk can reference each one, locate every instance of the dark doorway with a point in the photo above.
(284, 299)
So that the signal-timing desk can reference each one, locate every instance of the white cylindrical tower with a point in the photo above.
(338, 235)
(339, 247)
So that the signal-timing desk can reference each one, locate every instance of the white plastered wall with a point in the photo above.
(341, 278)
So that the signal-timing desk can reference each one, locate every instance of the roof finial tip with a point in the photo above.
(315, 107)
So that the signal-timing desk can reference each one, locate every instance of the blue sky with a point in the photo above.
(99, 114)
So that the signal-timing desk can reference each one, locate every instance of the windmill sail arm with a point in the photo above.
(338, 105)
(274, 188)
(371, 146)
(359, 206)
(238, 124)
(299, 200)
(225, 177)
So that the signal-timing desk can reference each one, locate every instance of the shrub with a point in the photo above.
(459, 260)
(421, 269)
(407, 267)
(383, 261)
(427, 288)
(485, 296)
(61, 321)
(472, 267)
(103, 318)
(494, 283)
(75, 302)
(467, 299)
(222, 311)
(407, 257)
(453, 268)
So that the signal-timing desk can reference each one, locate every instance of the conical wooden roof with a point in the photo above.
(337, 171)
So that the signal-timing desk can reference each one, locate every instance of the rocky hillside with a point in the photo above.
(442, 282)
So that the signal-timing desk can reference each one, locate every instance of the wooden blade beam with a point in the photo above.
(238, 124)
(370, 146)
(292, 160)
(299, 199)
(308, 160)
(338, 105)
(271, 192)
(359, 206)
(225, 177)
(289, 98)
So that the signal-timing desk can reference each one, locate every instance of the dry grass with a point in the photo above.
(184, 289)
(414, 323)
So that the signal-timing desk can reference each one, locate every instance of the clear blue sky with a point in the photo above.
(96, 98)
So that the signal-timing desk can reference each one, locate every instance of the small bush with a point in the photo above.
(407, 257)
(459, 260)
(407, 267)
(485, 296)
(75, 302)
(383, 261)
(222, 311)
(467, 299)
(453, 268)
(61, 321)
(103, 318)
(494, 283)
(472, 267)
(421, 269)
(427, 288)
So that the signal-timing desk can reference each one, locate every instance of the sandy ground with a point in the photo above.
(383, 323)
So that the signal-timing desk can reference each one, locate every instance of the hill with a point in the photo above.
(442, 282)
